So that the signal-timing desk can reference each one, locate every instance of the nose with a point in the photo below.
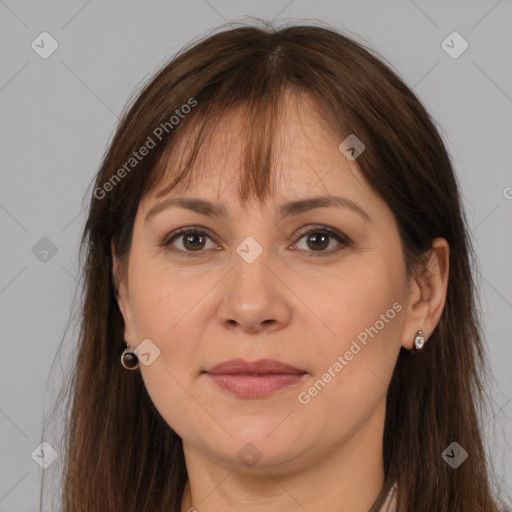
(254, 298)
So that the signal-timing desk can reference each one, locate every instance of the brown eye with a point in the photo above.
(319, 238)
(193, 241)
(186, 241)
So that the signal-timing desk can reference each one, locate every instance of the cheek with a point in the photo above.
(353, 370)
(358, 299)
(163, 309)
(364, 316)
(158, 299)
(152, 303)
(169, 310)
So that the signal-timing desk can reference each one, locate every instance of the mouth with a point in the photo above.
(254, 379)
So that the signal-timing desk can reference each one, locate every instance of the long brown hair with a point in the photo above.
(120, 454)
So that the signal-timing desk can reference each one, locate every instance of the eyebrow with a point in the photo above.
(289, 209)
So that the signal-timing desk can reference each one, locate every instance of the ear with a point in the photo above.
(120, 280)
(427, 294)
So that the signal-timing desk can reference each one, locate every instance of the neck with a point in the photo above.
(346, 479)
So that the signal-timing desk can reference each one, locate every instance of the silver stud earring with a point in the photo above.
(419, 342)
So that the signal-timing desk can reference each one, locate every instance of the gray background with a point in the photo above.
(59, 113)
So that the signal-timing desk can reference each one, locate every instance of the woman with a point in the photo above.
(277, 250)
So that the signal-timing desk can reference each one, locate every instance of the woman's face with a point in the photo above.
(253, 285)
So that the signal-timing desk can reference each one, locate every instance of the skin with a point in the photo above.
(300, 309)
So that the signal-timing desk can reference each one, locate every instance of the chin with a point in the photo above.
(255, 444)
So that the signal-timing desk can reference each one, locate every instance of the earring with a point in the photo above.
(129, 360)
(419, 342)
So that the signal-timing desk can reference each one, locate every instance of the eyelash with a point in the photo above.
(344, 240)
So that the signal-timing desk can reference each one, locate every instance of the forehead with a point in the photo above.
(305, 157)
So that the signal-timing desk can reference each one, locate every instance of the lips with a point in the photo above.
(254, 379)
(260, 367)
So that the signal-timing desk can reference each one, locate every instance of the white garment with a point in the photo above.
(390, 503)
